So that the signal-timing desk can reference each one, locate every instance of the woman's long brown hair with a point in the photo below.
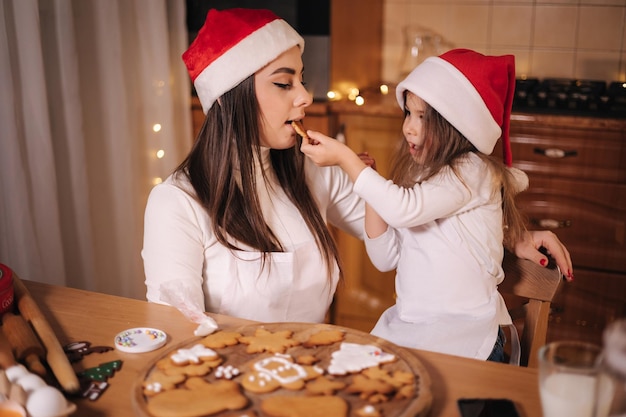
(445, 144)
(221, 169)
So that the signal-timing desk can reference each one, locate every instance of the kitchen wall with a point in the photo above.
(583, 39)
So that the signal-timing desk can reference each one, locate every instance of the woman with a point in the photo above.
(240, 227)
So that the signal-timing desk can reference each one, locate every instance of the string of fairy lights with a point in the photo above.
(354, 94)
(157, 138)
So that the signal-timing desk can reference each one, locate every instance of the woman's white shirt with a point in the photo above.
(181, 251)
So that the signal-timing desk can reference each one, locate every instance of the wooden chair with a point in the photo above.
(528, 290)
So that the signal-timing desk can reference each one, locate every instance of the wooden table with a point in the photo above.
(78, 315)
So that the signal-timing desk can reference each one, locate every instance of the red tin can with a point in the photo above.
(6, 289)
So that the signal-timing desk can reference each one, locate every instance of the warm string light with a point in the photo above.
(160, 153)
(157, 127)
(354, 94)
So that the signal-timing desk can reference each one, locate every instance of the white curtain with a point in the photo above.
(94, 110)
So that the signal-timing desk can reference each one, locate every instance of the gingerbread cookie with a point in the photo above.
(354, 357)
(307, 359)
(266, 341)
(324, 386)
(197, 360)
(368, 388)
(159, 381)
(324, 338)
(198, 398)
(318, 369)
(271, 373)
(221, 339)
(299, 129)
(320, 406)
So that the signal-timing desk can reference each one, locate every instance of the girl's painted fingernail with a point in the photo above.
(543, 262)
(570, 276)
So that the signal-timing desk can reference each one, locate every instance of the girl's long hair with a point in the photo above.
(221, 169)
(444, 146)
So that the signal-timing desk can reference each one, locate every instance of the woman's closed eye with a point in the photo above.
(287, 86)
(283, 86)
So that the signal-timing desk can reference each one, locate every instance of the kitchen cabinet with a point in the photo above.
(577, 172)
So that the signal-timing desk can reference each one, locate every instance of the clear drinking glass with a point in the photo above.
(569, 375)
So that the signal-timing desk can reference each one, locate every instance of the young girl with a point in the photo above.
(440, 221)
(240, 227)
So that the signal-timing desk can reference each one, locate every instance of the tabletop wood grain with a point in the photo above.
(78, 315)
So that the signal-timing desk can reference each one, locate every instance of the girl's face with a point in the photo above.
(282, 98)
(413, 125)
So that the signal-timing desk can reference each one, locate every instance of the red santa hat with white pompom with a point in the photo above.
(232, 45)
(472, 91)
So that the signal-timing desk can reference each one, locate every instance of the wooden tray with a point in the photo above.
(418, 406)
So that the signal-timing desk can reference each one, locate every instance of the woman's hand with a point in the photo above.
(528, 248)
(368, 160)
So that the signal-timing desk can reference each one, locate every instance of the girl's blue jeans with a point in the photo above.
(497, 354)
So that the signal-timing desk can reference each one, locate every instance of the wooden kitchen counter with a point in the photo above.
(78, 315)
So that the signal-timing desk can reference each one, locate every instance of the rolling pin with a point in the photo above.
(7, 359)
(55, 356)
(26, 345)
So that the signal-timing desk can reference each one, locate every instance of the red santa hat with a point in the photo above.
(473, 92)
(232, 45)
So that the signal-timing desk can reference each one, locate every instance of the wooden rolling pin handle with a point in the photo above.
(25, 343)
(56, 358)
(6, 353)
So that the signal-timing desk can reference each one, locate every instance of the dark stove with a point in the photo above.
(571, 97)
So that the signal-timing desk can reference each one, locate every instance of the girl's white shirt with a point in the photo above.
(181, 252)
(445, 242)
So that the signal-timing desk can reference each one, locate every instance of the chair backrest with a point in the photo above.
(538, 285)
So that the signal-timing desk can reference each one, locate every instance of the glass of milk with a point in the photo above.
(569, 376)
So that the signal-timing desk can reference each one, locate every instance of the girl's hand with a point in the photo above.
(528, 248)
(326, 151)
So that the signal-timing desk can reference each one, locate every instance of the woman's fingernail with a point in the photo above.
(570, 276)
(543, 262)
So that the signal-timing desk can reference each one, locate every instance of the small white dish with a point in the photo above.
(140, 340)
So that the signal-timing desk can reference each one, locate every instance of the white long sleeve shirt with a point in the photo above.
(445, 242)
(181, 252)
